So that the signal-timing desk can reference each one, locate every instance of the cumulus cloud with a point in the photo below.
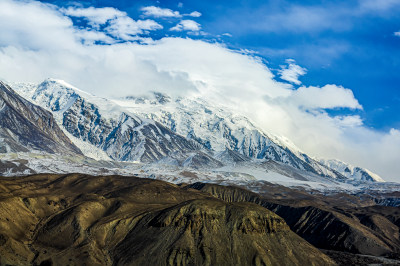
(195, 14)
(158, 12)
(95, 16)
(397, 34)
(115, 23)
(292, 72)
(327, 97)
(187, 25)
(38, 41)
(126, 28)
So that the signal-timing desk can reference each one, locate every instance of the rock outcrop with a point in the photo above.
(327, 222)
(25, 126)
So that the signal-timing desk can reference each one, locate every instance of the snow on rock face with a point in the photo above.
(105, 125)
(25, 126)
(58, 99)
(156, 127)
(218, 129)
(352, 172)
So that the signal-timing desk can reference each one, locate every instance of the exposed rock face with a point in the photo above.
(123, 136)
(327, 222)
(159, 127)
(18, 166)
(233, 136)
(147, 130)
(332, 230)
(114, 220)
(25, 126)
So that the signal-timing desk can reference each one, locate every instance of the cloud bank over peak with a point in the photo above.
(326, 97)
(40, 41)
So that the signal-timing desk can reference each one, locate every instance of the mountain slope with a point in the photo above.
(113, 220)
(117, 127)
(123, 136)
(158, 127)
(352, 172)
(25, 126)
(220, 129)
(340, 222)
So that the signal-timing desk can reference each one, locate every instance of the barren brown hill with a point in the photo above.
(112, 220)
(340, 222)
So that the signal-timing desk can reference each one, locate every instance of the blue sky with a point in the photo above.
(351, 43)
(324, 74)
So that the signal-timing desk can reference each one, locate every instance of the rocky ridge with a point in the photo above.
(149, 129)
(338, 222)
(109, 220)
(26, 127)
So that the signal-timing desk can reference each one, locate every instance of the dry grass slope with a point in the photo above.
(112, 220)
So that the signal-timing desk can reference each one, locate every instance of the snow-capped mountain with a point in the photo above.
(185, 132)
(121, 135)
(26, 127)
(220, 129)
(352, 172)
(233, 136)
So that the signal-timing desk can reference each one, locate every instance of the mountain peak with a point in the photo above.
(153, 98)
(154, 127)
(352, 172)
(25, 126)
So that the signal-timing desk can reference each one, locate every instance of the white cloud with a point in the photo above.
(292, 72)
(158, 12)
(34, 25)
(349, 121)
(187, 25)
(95, 16)
(126, 28)
(397, 34)
(37, 41)
(195, 14)
(89, 37)
(118, 23)
(227, 34)
(327, 97)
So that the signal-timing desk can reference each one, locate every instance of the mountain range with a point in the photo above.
(185, 132)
